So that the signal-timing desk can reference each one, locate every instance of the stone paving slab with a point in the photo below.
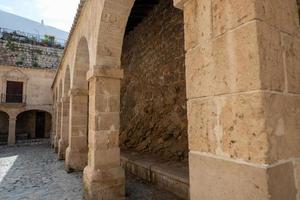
(34, 173)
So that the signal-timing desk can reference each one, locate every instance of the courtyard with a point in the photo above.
(33, 172)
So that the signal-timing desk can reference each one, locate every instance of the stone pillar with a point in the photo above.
(53, 128)
(12, 131)
(58, 126)
(64, 137)
(103, 177)
(243, 89)
(77, 151)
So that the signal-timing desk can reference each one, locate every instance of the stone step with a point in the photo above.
(168, 175)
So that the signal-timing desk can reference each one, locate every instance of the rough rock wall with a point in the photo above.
(153, 101)
(27, 55)
(298, 1)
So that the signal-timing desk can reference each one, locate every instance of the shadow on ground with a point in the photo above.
(34, 173)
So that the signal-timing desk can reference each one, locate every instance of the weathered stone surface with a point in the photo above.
(230, 14)
(197, 31)
(297, 176)
(214, 179)
(248, 58)
(258, 127)
(283, 15)
(292, 62)
(231, 126)
(281, 182)
(282, 125)
(153, 107)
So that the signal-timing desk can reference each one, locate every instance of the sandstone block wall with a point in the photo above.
(22, 54)
(153, 94)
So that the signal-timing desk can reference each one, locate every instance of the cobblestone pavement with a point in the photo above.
(33, 172)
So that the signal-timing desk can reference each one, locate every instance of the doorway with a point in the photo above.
(40, 124)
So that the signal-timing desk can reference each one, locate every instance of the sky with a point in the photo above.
(56, 13)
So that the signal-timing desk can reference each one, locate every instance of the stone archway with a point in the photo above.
(33, 124)
(153, 115)
(104, 109)
(77, 151)
(65, 110)
(4, 127)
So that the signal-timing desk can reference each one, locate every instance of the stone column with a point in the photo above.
(12, 131)
(243, 89)
(77, 151)
(64, 137)
(58, 126)
(103, 177)
(53, 128)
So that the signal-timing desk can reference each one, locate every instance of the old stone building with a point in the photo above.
(26, 74)
(158, 86)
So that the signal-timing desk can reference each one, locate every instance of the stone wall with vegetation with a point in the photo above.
(28, 55)
(153, 95)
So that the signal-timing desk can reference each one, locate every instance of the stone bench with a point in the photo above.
(168, 175)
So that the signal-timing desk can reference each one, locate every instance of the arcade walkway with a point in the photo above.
(33, 172)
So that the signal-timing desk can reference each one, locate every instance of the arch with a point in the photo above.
(114, 17)
(105, 117)
(31, 124)
(59, 95)
(77, 151)
(66, 82)
(81, 65)
(4, 127)
(65, 110)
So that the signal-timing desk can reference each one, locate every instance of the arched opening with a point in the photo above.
(65, 110)
(4, 126)
(77, 151)
(153, 117)
(33, 124)
(67, 82)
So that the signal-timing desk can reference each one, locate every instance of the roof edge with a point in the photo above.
(81, 4)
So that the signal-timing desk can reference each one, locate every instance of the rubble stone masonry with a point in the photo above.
(27, 55)
(153, 95)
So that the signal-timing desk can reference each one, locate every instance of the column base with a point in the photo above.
(108, 184)
(216, 178)
(62, 146)
(76, 160)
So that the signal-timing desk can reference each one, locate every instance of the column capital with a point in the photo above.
(78, 92)
(12, 119)
(179, 3)
(107, 72)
